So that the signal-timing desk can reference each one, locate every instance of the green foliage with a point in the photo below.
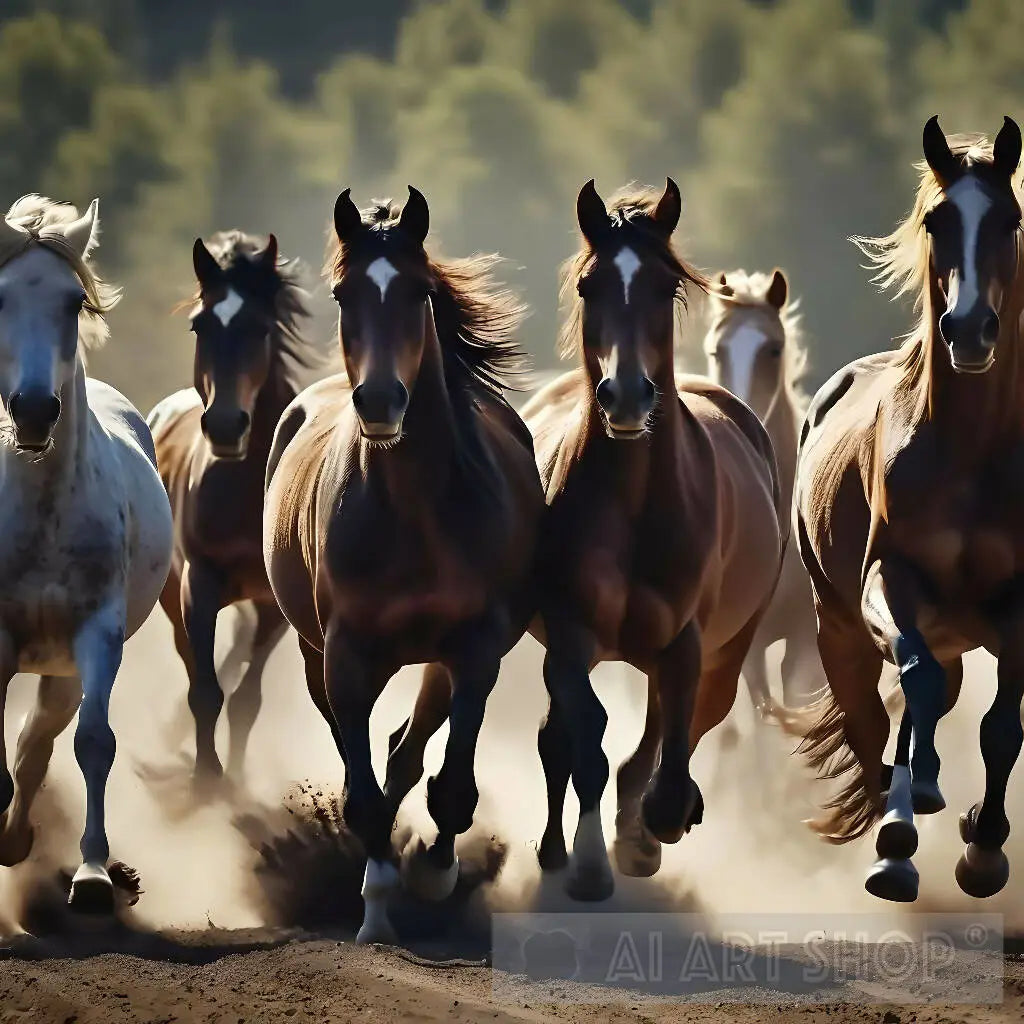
(789, 124)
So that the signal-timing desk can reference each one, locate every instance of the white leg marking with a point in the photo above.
(381, 272)
(380, 880)
(628, 263)
(226, 309)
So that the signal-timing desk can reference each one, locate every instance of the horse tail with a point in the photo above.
(853, 810)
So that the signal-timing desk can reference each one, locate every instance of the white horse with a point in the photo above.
(85, 527)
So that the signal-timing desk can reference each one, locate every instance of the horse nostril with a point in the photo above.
(990, 329)
(358, 398)
(647, 391)
(606, 394)
(401, 397)
(244, 422)
(38, 408)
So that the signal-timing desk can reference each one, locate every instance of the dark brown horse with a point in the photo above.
(910, 502)
(212, 445)
(401, 515)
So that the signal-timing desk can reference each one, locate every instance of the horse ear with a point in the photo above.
(206, 267)
(83, 234)
(268, 257)
(944, 165)
(724, 288)
(670, 206)
(1006, 148)
(415, 218)
(346, 217)
(778, 290)
(591, 213)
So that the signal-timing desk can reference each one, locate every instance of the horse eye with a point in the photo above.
(76, 302)
(776, 353)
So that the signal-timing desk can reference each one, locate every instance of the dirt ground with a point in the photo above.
(251, 979)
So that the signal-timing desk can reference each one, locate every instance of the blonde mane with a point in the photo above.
(40, 221)
(747, 291)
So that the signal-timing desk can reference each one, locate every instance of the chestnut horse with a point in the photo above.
(754, 349)
(212, 444)
(910, 511)
(661, 546)
(401, 515)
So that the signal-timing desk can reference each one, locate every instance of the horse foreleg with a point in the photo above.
(637, 852)
(352, 686)
(672, 803)
(201, 600)
(245, 702)
(407, 744)
(452, 794)
(56, 704)
(567, 677)
(555, 748)
(97, 649)
(983, 869)
(8, 666)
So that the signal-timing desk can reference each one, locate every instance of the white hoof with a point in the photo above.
(380, 880)
(590, 872)
(92, 891)
(423, 878)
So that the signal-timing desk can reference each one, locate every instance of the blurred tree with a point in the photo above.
(800, 155)
(50, 72)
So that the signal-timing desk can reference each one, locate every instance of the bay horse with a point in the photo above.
(661, 545)
(754, 349)
(212, 443)
(910, 512)
(85, 529)
(400, 521)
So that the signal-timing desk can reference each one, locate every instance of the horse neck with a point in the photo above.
(972, 409)
(422, 462)
(781, 423)
(271, 401)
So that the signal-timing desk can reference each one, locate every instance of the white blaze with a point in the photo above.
(741, 351)
(972, 203)
(628, 263)
(226, 309)
(381, 272)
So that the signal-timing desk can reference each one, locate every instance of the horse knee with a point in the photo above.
(95, 744)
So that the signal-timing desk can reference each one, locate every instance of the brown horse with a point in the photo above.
(212, 444)
(754, 349)
(401, 516)
(661, 546)
(910, 510)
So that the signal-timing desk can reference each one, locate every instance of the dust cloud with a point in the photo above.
(198, 864)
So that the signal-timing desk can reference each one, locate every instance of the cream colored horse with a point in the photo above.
(85, 527)
(753, 349)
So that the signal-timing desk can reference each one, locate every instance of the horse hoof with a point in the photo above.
(551, 854)
(92, 891)
(15, 846)
(894, 880)
(376, 932)
(423, 877)
(660, 813)
(927, 797)
(896, 839)
(637, 853)
(590, 883)
(982, 873)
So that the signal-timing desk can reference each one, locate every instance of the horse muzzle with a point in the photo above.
(380, 409)
(227, 433)
(626, 406)
(34, 415)
(971, 340)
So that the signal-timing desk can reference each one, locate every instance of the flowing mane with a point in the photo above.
(40, 222)
(630, 213)
(295, 358)
(748, 291)
(477, 320)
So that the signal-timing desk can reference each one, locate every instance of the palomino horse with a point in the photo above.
(86, 536)
(661, 545)
(753, 349)
(910, 512)
(401, 515)
(212, 444)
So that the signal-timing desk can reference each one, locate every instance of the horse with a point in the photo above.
(754, 349)
(85, 543)
(661, 545)
(909, 514)
(400, 520)
(212, 443)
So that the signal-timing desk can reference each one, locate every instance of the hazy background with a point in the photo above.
(788, 124)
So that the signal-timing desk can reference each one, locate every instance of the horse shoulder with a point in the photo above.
(551, 415)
